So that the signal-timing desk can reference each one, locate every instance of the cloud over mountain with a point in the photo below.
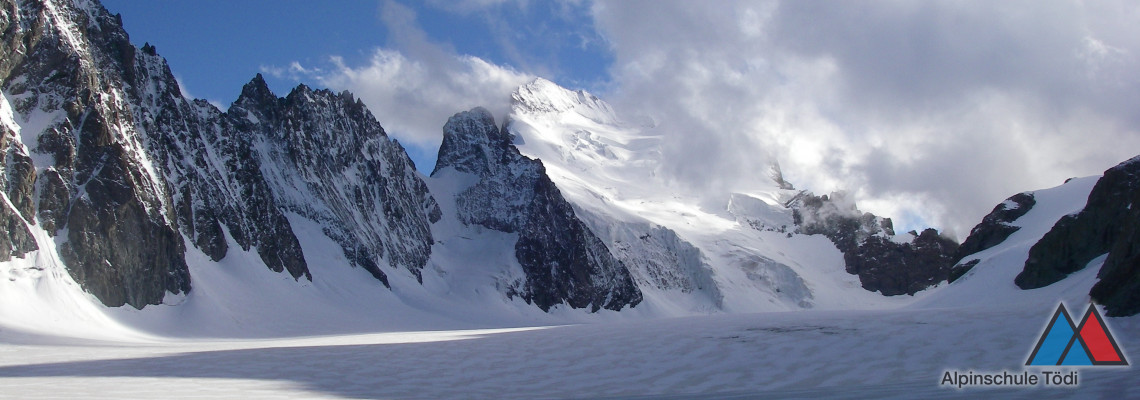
(929, 112)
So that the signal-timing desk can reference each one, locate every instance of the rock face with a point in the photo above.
(994, 229)
(897, 268)
(331, 162)
(66, 73)
(17, 187)
(1119, 285)
(882, 264)
(100, 146)
(1107, 224)
(563, 260)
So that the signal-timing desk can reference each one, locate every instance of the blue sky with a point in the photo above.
(215, 47)
(929, 112)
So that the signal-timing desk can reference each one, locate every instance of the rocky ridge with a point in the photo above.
(124, 166)
(994, 229)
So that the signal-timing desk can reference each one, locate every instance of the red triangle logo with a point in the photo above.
(1102, 347)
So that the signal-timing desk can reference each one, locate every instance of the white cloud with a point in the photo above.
(413, 98)
(413, 87)
(928, 112)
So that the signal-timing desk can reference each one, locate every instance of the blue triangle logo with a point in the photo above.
(1056, 341)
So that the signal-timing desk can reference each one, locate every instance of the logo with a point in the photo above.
(1063, 344)
(1068, 344)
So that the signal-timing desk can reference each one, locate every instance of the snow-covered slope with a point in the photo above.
(687, 253)
(1073, 241)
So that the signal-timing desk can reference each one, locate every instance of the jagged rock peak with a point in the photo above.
(479, 121)
(383, 212)
(472, 143)
(777, 175)
(256, 93)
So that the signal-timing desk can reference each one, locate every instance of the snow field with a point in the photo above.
(878, 354)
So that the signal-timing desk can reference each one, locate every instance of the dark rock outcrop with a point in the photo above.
(563, 260)
(996, 226)
(1119, 286)
(883, 265)
(1107, 224)
(902, 268)
(961, 268)
(994, 229)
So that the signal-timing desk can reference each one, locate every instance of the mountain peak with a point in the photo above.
(470, 140)
(256, 92)
(542, 96)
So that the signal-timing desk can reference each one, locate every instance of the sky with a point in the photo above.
(928, 112)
